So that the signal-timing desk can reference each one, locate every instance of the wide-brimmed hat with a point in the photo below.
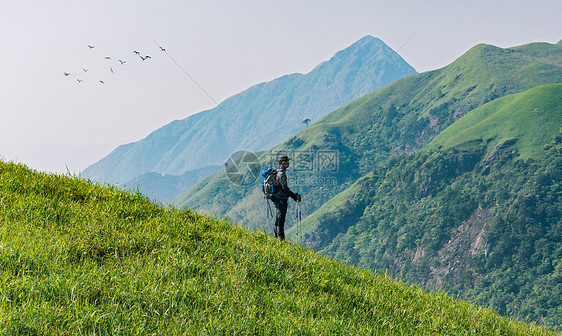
(284, 158)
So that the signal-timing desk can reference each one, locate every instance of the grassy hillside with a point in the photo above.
(531, 117)
(477, 212)
(398, 119)
(79, 258)
(527, 121)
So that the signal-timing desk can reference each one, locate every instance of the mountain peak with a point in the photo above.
(369, 39)
(369, 42)
(364, 67)
(368, 47)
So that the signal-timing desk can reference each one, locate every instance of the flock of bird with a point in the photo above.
(121, 62)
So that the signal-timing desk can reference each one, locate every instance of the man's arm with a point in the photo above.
(285, 186)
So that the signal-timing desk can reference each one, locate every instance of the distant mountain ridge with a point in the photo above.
(398, 119)
(264, 114)
(164, 188)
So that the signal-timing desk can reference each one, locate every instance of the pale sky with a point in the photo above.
(50, 122)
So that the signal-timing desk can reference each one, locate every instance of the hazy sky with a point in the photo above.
(49, 121)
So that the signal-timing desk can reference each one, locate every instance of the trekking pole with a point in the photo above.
(297, 220)
(300, 222)
(298, 216)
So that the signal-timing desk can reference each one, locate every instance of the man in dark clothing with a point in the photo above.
(280, 198)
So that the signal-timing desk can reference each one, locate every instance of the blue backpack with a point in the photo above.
(269, 182)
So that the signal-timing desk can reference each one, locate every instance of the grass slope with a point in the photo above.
(400, 118)
(531, 117)
(79, 258)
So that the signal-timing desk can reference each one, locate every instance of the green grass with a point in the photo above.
(530, 117)
(80, 258)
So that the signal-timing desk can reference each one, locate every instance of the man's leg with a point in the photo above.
(279, 228)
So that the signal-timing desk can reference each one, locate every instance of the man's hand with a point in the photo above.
(298, 198)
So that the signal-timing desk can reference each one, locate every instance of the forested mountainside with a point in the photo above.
(476, 212)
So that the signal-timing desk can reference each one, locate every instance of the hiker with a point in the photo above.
(281, 196)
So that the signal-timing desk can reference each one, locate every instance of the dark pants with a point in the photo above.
(279, 228)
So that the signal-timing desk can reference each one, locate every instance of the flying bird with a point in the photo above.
(102, 82)
(136, 52)
(145, 57)
(162, 49)
(110, 68)
(66, 74)
(85, 70)
(107, 57)
(79, 80)
(122, 62)
(91, 46)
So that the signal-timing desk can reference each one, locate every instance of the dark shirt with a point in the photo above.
(284, 191)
